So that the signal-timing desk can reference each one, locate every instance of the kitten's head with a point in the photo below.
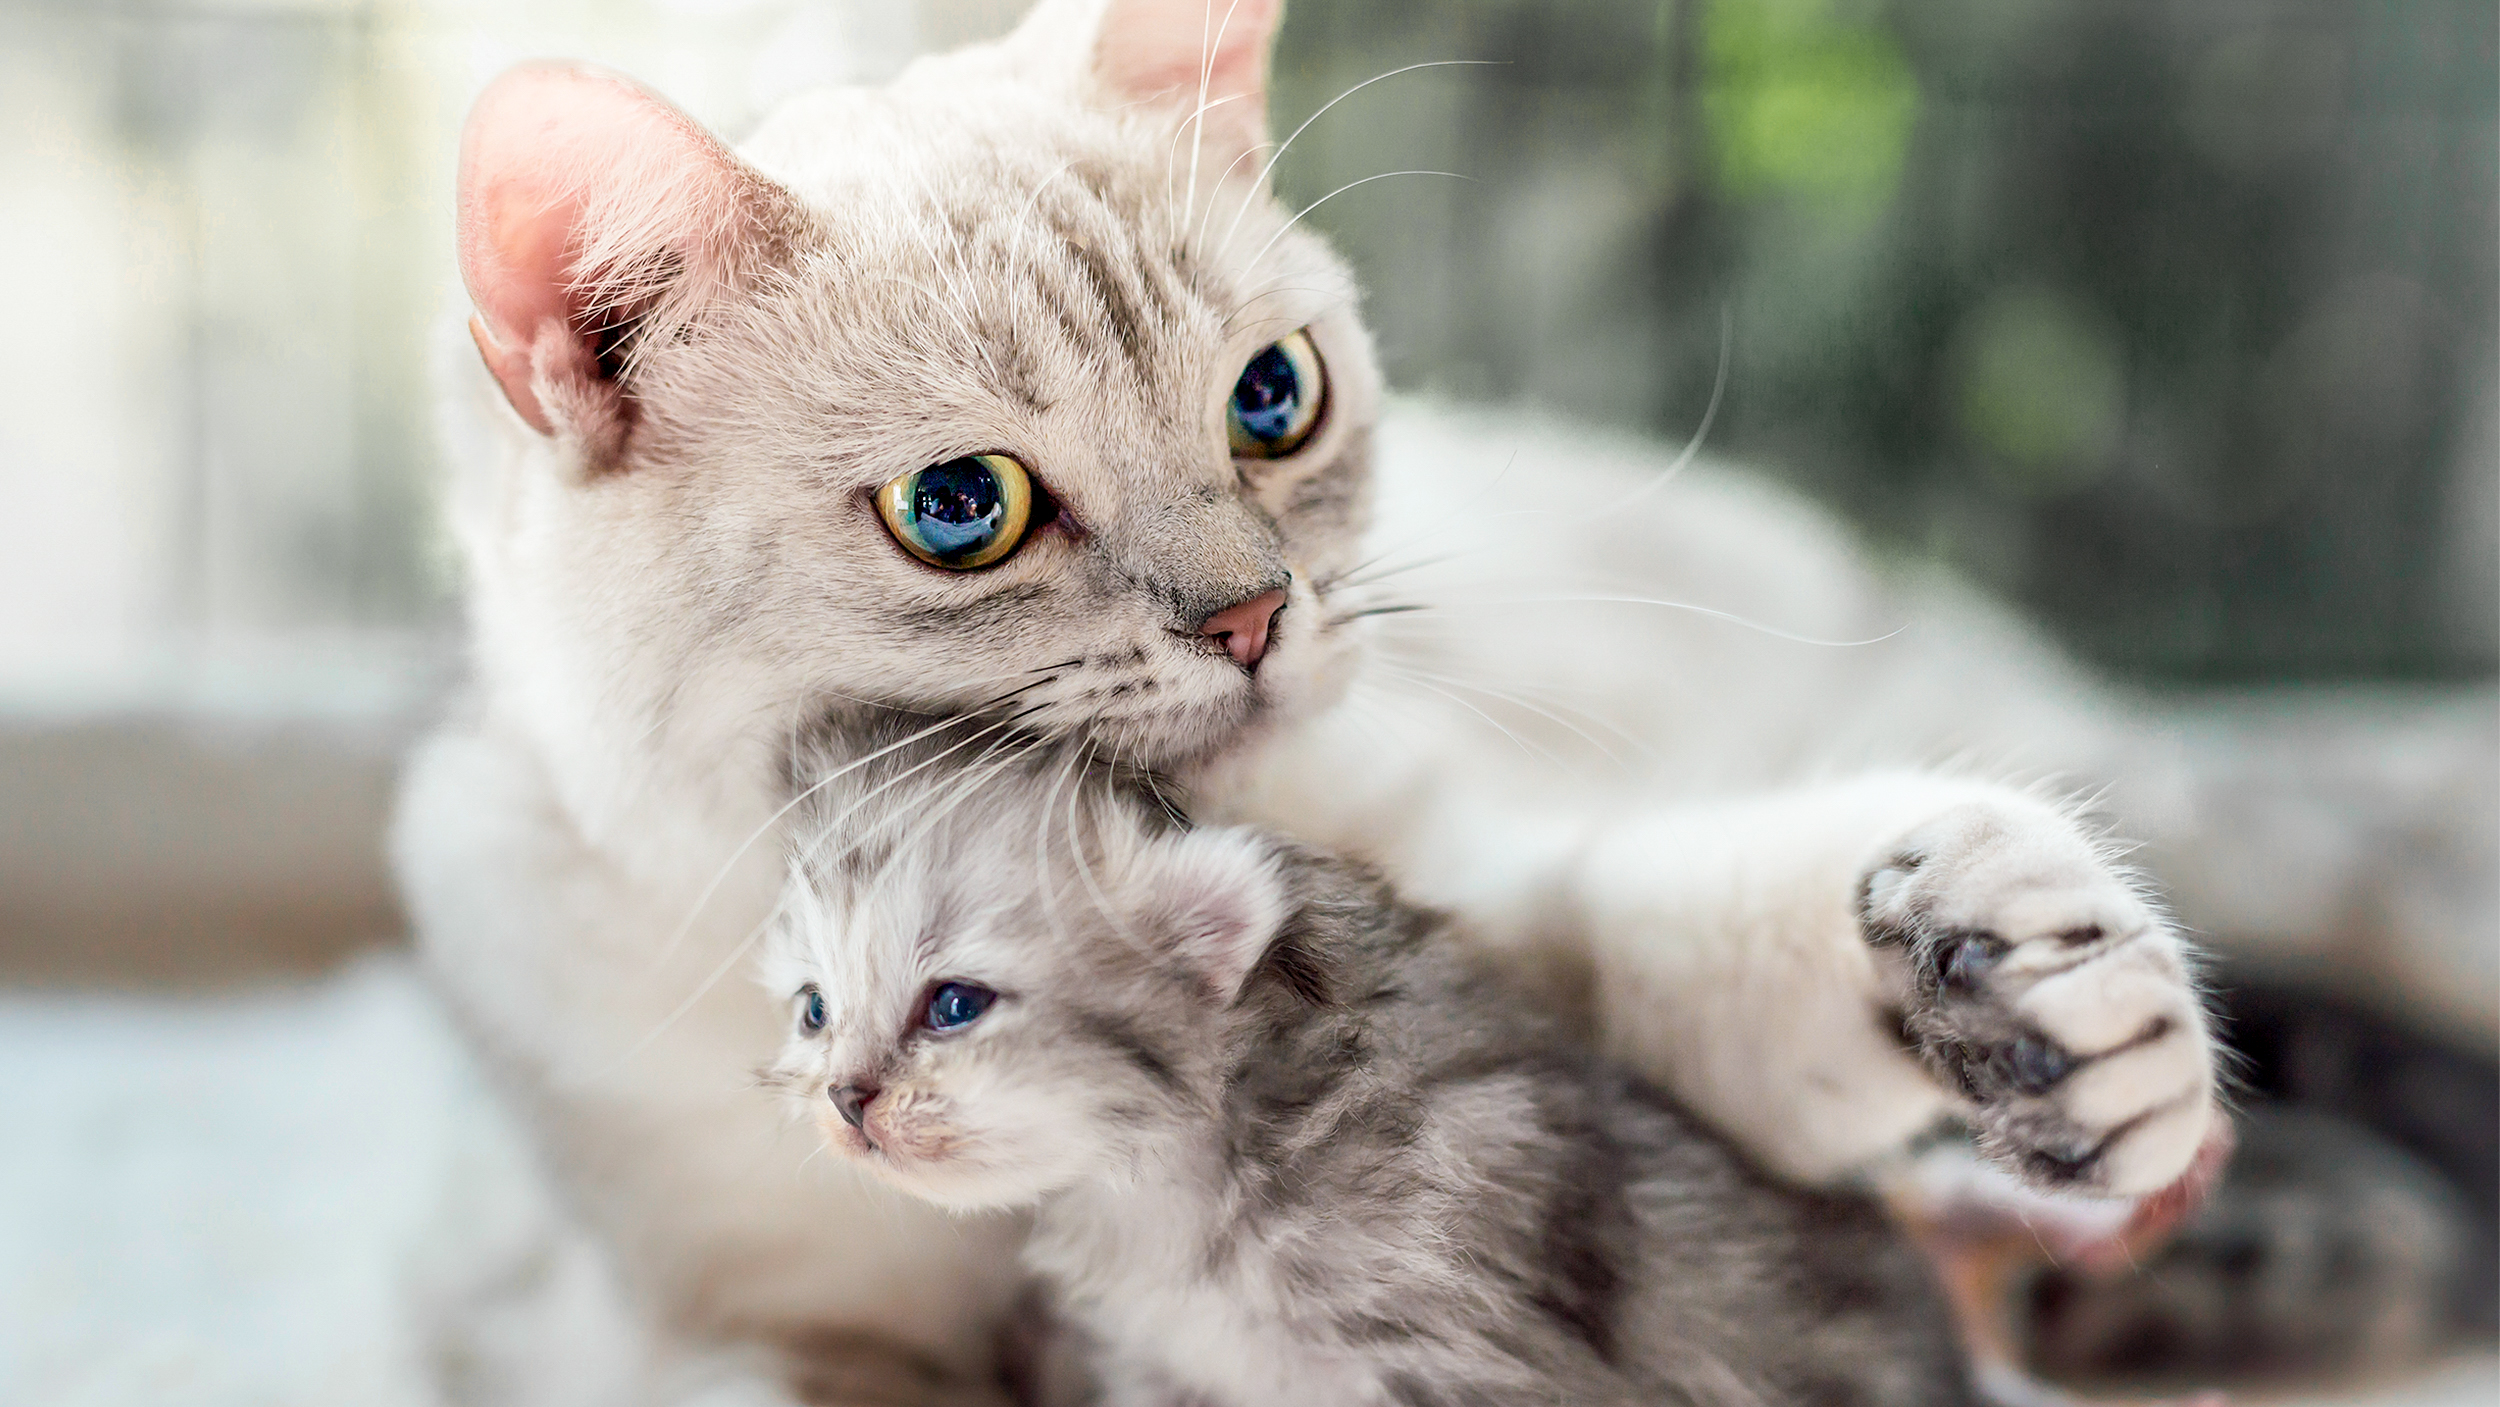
(1005, 387)
(1030, 991)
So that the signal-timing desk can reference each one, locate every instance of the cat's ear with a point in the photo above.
(1207, 58)
(1218, 901)
(594, 214)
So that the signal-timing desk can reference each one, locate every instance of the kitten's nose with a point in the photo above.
(851, 1101)
(1241, 628)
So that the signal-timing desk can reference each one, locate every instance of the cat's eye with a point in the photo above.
(962, 515)
(1277, 401)
(811, 1011)
(954, 1004)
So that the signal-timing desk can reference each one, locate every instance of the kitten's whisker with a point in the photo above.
(1285, 228)
(1282, 147)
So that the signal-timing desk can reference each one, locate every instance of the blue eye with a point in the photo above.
(956, 1004)
(1277, 401)
(963, 514)
(812, 1011)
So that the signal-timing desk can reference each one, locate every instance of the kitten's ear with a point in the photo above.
(591, 213)
(1207, 57)
(1219, 902)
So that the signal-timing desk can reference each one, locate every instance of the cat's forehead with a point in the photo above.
(1044, 246)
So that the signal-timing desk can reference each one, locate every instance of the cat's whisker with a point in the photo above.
(721, 876)
(1718, 388)
(1522, 700)
(1282, 147)
(1231, 319)
(669, 949)
(1049, 887)
(1198, 236)
(736, 954)
(1498, 726)
(1084, 867)
(1208, 44)
(979, 773)
(1015, 249)
(948, 270)
(1712, 612)
(1171, 158)
(999, 734)
(1287, 227)
(971, 337)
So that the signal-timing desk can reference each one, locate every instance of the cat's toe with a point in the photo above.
(2048, 994)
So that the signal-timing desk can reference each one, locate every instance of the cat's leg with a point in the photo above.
(1824, 972)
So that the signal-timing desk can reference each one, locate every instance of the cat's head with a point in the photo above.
(1031, 991)
(1005, 386)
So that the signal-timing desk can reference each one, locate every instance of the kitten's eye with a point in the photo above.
(955, 1004)
(963, 514)
(811, 1011)
(1277, 401)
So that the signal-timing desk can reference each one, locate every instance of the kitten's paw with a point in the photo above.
(2040, 985)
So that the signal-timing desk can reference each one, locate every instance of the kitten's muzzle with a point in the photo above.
(851, 1102)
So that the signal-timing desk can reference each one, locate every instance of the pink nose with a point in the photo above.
(1241, 628)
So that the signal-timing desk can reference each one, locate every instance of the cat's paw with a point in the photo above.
(2042, 988)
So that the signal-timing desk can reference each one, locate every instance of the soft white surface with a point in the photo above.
(245, 1200)
(230, 1200)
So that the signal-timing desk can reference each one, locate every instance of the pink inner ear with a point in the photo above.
(1163, 48)
(563, 170)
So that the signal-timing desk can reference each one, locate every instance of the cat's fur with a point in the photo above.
(701, 363)
(1288, 1138)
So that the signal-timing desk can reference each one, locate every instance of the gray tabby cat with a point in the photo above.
(1289, 1139)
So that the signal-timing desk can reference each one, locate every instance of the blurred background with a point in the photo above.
(2172, 321)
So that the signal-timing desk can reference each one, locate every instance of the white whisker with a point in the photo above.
(1284, 229)
(1718, 388)
(1282, 147)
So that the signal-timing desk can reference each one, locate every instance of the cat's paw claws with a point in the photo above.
(2042, 988)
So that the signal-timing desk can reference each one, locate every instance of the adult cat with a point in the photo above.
(1005, 395)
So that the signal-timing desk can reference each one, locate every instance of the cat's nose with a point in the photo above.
(851, 1101)
(1242, 627)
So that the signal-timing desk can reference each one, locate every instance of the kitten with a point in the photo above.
(1288, 1140)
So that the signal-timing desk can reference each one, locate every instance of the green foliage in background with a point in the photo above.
(1805, 100)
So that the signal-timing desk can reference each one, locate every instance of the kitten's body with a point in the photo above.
(1294, 1141)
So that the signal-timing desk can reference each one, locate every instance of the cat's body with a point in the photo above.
(1291, 1139)
(702, 368)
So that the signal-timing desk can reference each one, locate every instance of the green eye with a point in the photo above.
(964, 514)
(1277, 401)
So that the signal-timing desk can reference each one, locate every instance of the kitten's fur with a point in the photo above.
(700, 364)
(1288, 1139)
